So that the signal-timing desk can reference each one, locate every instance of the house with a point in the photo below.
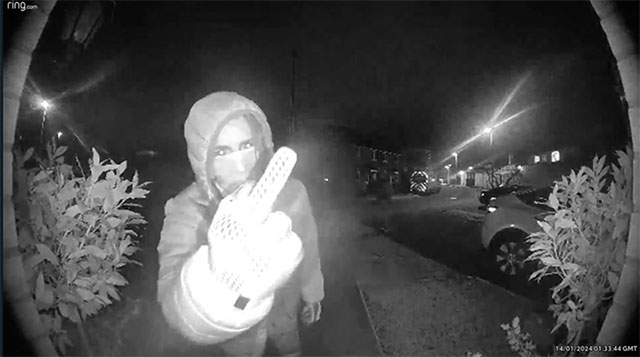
(537, 169)
(373, 165)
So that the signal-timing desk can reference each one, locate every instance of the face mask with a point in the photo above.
(232, 170)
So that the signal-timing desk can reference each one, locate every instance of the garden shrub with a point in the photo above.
(75, 232)
(584, 242)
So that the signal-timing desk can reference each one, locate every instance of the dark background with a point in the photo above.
(397, 74)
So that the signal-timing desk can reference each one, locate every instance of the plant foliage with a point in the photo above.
(75, 232)
(584, 242)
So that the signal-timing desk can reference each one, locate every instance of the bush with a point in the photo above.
(584, 242)
(75, 233)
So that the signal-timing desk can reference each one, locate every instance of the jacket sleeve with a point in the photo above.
(192, 301)
(304, 225)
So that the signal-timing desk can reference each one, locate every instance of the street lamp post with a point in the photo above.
(455, 156)
(45, 105)
(448, 167)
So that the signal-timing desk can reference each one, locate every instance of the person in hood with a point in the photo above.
(229, 143)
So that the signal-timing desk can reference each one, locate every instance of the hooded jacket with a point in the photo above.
(189, 299)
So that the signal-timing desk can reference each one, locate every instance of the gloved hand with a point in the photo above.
(251, 250)
(310, 312)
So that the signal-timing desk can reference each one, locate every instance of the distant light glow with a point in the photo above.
(44, 104)
(470, 168)
(59, 134)
(536, 159)
(520, 167)
(455, 154)
(326, 179)
(461, 173)
(555, 156)
(492, 209)
(487, 130)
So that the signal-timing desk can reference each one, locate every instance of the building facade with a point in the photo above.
(375, 166)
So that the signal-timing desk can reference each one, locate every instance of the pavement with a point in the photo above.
(418, 306)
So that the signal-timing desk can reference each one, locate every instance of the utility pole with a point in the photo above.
(292, 119)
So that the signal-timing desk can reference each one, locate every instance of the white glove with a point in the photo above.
(251, 250)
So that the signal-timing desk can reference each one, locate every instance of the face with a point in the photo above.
(233, 156)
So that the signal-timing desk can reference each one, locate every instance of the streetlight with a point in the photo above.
(45, 105)
(448, 167)
(455, 156)
(489, 130)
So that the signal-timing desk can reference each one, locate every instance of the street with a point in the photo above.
(445, 227)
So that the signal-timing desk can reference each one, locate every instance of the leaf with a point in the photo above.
(72, 211)
(100, 190)
(565, 223)
(113, 222)
(124, 244)
(121, 168)
(127, 213)
(39, 292)
(112, 292)
(553, 201)
(97, 252)
(138, 193)
(571, 267)
(71, 273)
(40, 176)
(60, 151)
(130, 250)
(546, 227)
(27, 155)
(117, 279)
(550, 261)
(47, 253)
(84, 282)
(109, 201)
(96, 157)
(85, 294)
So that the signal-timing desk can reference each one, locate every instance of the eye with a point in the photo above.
(246, 145)
(220, 152)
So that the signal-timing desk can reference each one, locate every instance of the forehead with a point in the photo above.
(235, 132)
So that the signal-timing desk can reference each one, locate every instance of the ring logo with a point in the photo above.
(20, 5)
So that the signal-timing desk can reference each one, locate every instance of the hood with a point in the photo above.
(205, 119)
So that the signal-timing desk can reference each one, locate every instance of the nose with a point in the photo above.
(239, 165)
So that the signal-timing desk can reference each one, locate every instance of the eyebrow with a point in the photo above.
(224, 147)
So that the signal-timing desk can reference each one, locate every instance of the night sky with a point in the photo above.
(403, 74)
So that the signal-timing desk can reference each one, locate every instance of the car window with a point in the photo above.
(536, 198)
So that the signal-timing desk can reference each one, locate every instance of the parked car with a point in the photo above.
(510, 220)
(487, 195)
(434, 185)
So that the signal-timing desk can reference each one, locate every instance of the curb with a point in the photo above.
(375, 333)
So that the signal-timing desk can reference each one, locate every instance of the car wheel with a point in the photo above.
(510, 251)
